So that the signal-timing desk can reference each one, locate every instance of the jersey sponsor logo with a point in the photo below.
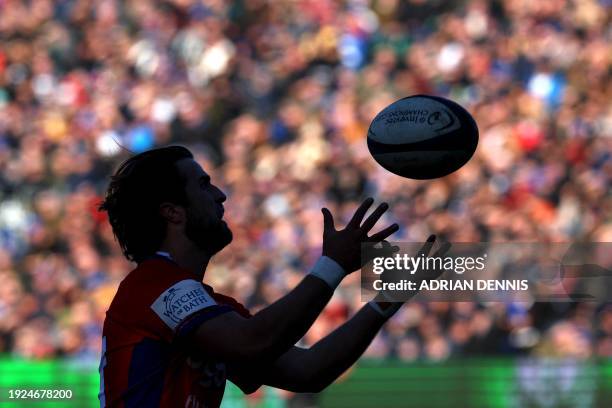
(181, 300)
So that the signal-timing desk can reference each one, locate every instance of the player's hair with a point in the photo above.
(134, 195)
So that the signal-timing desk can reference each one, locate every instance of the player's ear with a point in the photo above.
(173, 213)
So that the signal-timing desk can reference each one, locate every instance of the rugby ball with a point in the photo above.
(423, 137)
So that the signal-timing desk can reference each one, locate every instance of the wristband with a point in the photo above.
(329, 271)
(388, 312)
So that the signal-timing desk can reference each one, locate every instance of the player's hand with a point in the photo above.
(434, 273)
(344, 246)
(384, 299)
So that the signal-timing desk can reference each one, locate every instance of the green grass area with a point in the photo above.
(81, 379)
(491, 383)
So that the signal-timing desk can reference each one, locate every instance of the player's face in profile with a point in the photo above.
(205, 225)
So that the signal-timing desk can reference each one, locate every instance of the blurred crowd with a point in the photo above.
(274, 98)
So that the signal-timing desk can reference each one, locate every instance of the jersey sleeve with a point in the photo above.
(164, 302)
(185, 305)
(229, 301)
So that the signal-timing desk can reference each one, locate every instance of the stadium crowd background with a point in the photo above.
(275, 98)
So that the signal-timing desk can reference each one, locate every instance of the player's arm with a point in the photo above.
(273, 330)
(313, 369)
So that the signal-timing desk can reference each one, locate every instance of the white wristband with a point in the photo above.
(329, 271)
(388, 312)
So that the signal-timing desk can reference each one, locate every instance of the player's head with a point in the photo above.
(160, 192)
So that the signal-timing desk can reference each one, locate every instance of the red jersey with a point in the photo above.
(156, 306)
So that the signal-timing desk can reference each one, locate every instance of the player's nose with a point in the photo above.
(220, 197)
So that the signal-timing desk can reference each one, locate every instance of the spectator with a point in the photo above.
(275, 98)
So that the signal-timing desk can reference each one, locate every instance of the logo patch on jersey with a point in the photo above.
(183, 299)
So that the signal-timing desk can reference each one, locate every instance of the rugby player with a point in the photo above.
(170, 340)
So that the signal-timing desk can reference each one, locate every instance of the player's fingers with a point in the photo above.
(328, 220)
(385, 245)
(443, 249)
(440, 253)
(424, 251)
(390, 249)
(369, 223)
(360, 213)
(381, 249)
(383, 234)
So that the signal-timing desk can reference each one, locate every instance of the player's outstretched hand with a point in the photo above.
(344, 246)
